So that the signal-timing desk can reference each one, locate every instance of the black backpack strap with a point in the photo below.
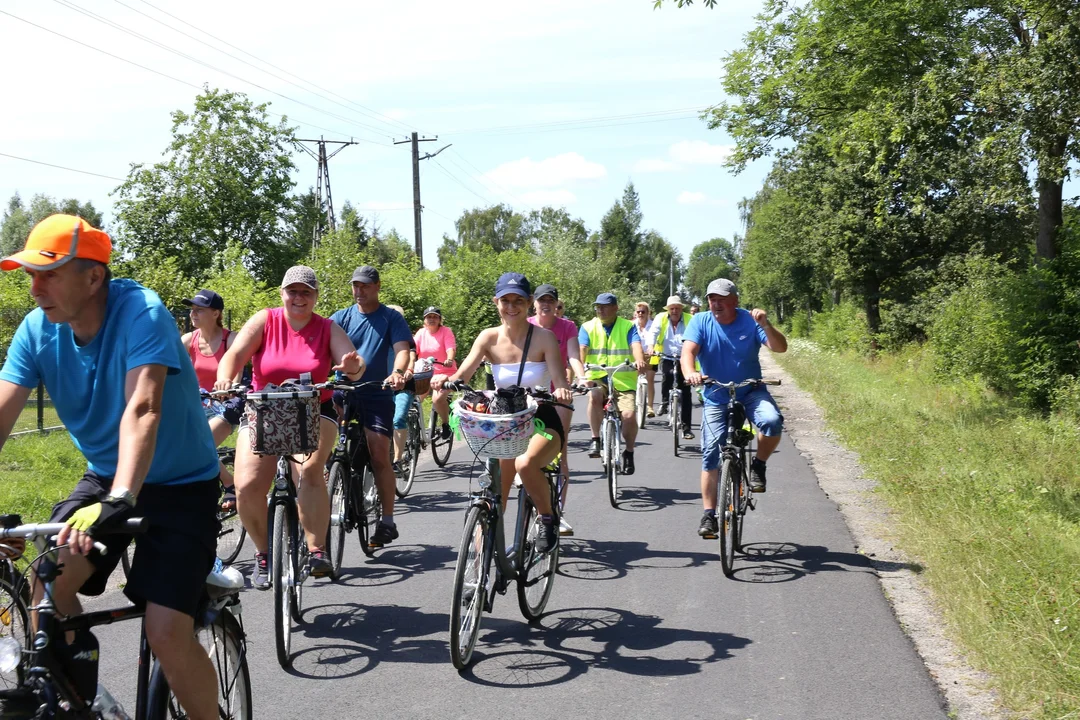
(525, 354)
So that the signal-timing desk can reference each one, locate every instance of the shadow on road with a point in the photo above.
(645, 499)
(610, 559)
(784, 562)
(364, 636)
(397, 563)
(432, 501)
(568, 643)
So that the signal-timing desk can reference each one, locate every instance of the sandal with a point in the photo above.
(228, 500)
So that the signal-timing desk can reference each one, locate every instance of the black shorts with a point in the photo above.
(233, 410)
(176, 553)
(547, 413)
(374, 412)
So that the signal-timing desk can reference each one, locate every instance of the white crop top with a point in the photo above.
(535, 374)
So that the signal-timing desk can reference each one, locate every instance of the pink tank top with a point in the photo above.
(285, 353)
(206, 365)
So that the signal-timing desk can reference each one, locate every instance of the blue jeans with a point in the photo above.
(402, 401)
(761, 410)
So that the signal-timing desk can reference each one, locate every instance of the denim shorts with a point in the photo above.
(402, 401)
(760, 409)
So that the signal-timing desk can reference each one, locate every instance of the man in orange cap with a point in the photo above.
(110, 357)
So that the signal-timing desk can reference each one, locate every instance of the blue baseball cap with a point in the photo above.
(513, 282)
(606, 299)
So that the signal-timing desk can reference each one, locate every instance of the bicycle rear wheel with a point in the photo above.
(368, 510)
(231, 536)
(469, 590)
(335, 533)
(409, 460)
(283, 574)
(536, 571)
(611, 463)
(440, 447)
(727, 514)
(224, 643)
(676, 413)
(642, 400)
(14, 622)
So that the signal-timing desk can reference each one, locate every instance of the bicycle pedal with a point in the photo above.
(712, 536)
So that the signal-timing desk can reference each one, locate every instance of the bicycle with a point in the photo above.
(675, 400)
(355, 502)
(58, 692)
(611, 439)
(416, 440)
(440, 446)
(14, 623)
(642, 400)
(733, 496)
(483, 541)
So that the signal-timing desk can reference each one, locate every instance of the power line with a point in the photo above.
(239, 59)
(489, 182)
(105, 21)
(459, 182)
(266, 62)
(479, 180)
(580, 121)
(61, 167)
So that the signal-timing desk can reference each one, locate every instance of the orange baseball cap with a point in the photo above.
(57, 239)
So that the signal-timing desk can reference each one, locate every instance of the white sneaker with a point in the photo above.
(564, 528)
(517, 482)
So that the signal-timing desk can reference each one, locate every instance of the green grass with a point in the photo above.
(988, 500)
(37, 471)
(28, 419)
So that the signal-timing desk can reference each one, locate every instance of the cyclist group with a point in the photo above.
(127, 387)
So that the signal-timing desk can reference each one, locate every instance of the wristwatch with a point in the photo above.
(125, 496)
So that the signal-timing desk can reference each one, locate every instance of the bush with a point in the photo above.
(842, 327)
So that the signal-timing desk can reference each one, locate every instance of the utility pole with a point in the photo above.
(326, 223)
(417, 207)
(671, 275)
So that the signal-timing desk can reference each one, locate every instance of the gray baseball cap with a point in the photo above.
(721, 286)
(300, 274)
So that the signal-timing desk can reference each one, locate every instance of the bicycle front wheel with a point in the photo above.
(727, 515)
(642, 400)
(611, 462)
(283, 576)
(14, 622)
(536, 571)
(369, 509)
(440, 446)
(469, 580)
(231, 536)
(224, 643)
(407, 466)
(675, 415)
(335, 533)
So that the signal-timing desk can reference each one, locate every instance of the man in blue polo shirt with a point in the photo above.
(726, 341)
(381, 337)
(110, 357)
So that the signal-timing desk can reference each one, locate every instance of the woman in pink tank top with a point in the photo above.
(282, 343)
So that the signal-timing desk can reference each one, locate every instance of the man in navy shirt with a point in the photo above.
(726, 341)
(381, 337)
(110, 357)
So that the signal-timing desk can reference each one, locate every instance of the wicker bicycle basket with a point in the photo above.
(496, 436)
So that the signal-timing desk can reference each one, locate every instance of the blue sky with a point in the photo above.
(546, 103)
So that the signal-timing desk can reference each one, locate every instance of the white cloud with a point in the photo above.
(554, 198)
(548, 173)
(699, 152)
(691, 198)
(650, 165)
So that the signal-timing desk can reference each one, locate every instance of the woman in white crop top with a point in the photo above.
(503, 346)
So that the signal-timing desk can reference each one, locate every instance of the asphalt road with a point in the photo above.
(642, 622)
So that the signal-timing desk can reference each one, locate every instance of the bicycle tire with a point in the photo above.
(335, 532)
(440, 448)
(126, 558)
(726, 514)
(409, 461)
(282, 575)
(224, 642)
(642, 400)
(368, 510)
(611, 466)
(676, 413)
(231, 535)
(468, 598)
(536, 571)
(14, 621)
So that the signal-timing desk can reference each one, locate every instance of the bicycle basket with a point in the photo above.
(496, 436)
(284, 420)
(422, 373)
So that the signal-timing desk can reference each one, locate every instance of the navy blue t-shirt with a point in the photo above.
(374, 336)
(727, 353)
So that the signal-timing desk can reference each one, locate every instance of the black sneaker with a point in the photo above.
(663, 409)
(319, 564)
(757, 476)
(260, 576)
(627, 463)
(384, 534)
(547, 539)
(594, 448)
(686, 433)
(445, 431)
(709, 527)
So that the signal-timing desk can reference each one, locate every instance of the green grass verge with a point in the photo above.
(988, 499)
(37, 471)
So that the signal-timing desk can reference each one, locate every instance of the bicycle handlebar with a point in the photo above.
(36, 530)
(610, 369)
(735, 386)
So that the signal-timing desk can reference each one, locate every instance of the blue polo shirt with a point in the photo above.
(727, 353)
(374, 336)
(86, 383)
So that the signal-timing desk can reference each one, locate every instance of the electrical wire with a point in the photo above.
(61, 167)
(459, 182)
(588, 122)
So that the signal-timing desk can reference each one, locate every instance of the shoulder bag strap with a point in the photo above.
(525, 354)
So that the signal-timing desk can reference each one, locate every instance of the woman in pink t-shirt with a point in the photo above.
(437, 341)
(282, 343)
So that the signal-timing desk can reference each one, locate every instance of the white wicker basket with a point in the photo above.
(496, 436)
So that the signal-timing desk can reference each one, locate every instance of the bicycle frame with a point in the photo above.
(283, 492)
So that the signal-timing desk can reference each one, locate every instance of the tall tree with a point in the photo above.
(497, 227)
(18, 220)
(226, 176)
(710, 260)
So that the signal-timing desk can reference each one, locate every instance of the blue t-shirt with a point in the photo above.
(631, 337)
(374, 336)
(86, 384)
(727, 353)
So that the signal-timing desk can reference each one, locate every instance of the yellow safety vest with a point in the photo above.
(610, 350)
(659, 346)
